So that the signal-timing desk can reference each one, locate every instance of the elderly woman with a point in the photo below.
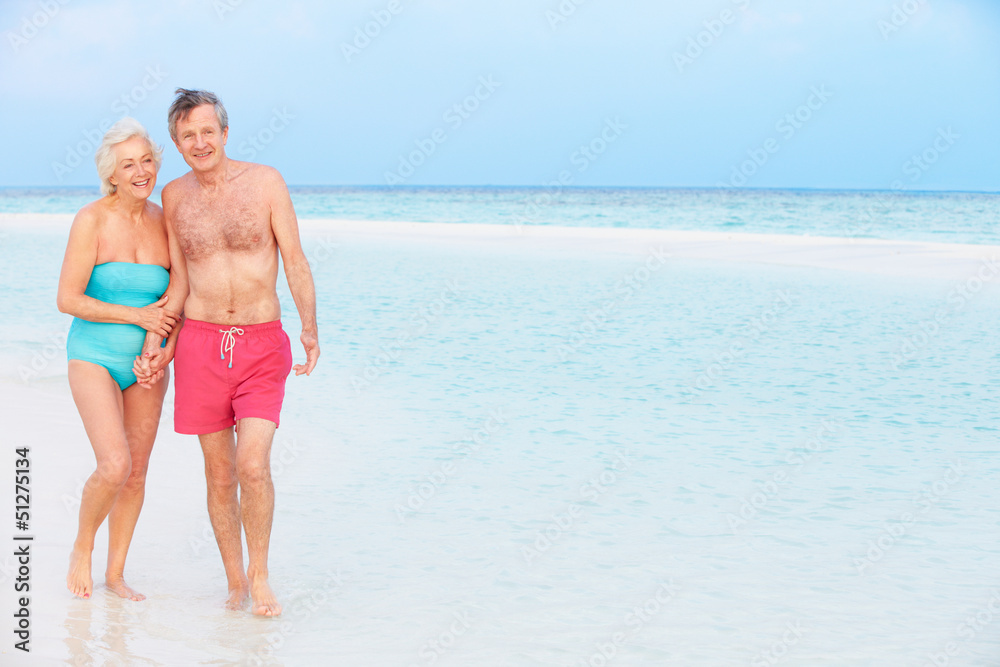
(114, 275)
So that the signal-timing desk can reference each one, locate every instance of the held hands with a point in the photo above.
(311, 343)
(155, 319)
(149, 366)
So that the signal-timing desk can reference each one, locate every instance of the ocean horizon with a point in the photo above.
(943, 217)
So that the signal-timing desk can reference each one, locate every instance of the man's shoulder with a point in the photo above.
(261, 173)
(265, 181)
(178, 184)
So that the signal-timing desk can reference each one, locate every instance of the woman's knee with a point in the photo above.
(115, 469)
(136, 478)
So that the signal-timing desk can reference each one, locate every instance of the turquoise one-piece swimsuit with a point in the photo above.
(115, 346)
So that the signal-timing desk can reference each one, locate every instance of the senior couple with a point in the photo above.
(193, 283)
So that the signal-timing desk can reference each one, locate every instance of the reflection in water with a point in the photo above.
(78, 634)
(99, 631)
(168, 630)
(254, 640)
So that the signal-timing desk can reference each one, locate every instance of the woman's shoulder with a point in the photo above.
(91, 216)
(154, 213)
(154, 210)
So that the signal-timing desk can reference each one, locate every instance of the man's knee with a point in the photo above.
(220, 477)
(253, 471)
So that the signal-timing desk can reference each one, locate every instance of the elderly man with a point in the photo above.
(227, 222)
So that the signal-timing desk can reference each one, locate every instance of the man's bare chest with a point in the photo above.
(223, 225)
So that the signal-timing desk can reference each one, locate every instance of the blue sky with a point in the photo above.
(868, 94)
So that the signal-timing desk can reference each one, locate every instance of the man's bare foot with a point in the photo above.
(237, 597)
(117, 585)
(264, 602)
(78, 581)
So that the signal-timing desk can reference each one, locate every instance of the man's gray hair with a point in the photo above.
(187, 100)
(105, 158)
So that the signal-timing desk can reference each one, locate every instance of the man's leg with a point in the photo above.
(253, 467)
(219, 449)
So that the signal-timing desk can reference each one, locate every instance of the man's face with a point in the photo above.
(200, 139)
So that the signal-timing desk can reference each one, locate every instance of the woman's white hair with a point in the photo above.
(123, 130)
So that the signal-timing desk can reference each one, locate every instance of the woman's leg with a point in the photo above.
(142, 416)
(99, 400)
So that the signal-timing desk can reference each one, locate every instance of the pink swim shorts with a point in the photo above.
(223, 373)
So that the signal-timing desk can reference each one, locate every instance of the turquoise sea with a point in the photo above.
(505, 459)
(923, 216)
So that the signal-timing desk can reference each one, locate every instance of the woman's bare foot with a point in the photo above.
(79, 581)
(264, 602)
(237, 597)
(117, 585)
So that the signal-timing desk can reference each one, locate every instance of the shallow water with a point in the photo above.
(506, 457)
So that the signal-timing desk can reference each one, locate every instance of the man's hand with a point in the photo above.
(311, 343)
(143, 376)
(149, 366)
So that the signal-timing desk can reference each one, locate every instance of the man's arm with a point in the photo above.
(285, 227)
(153, 358)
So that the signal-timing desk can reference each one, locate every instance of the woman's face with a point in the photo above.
(135, 169)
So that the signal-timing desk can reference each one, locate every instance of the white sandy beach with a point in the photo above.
(891, 258)
(947, 261)
(391, 619)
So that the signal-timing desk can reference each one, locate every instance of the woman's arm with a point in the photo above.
(78, 264)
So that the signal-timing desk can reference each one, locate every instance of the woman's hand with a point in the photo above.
(149, 366)
(155, 319)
